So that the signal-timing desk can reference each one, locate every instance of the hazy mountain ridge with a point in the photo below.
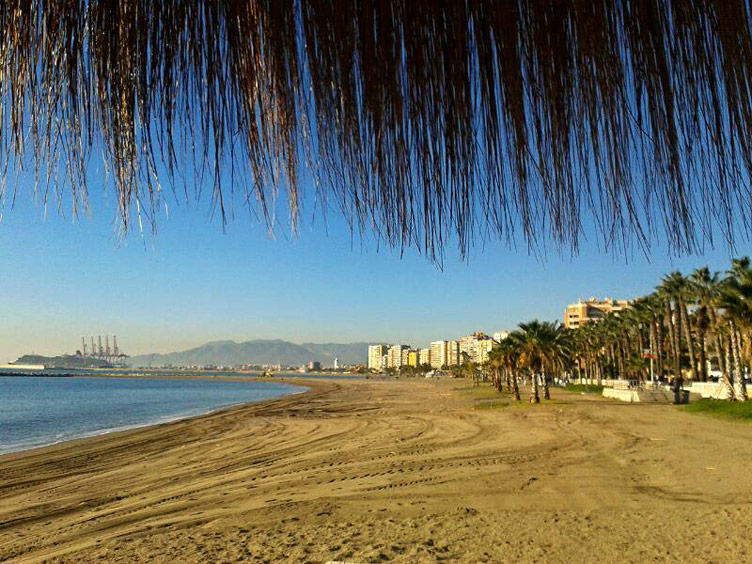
(258, 351)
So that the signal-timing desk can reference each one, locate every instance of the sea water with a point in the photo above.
(37, 411)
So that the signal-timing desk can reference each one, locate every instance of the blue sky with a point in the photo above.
(194, 282)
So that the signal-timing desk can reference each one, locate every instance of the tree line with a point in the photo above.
(696, 326)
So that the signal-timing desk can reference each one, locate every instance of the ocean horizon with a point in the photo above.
(42, 411)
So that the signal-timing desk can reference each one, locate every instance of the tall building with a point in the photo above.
(405, 356)
(467, 348)
(438, 354)
(413, 358)
(591, 310)
(395, 356)
(376, 355)
(424, 356)
(336, 363)
(474, 348)
(454, 357)
(481, 350)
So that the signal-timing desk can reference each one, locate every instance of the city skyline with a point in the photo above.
(191, 283)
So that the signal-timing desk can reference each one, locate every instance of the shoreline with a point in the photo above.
(170, 419)
(401, 471)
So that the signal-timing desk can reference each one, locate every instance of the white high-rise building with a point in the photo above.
(481, 350)
(336, 363)
(424, 356)
(467, 349)
(439, 354)
(473, 348)
(396, 355)
(453, 353)
(376, 354)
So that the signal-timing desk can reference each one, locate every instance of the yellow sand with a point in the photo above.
(404, 471)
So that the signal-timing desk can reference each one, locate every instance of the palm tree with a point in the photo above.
(495, 365)
(508, 351)
(560, 353)
(706, 289)
(669, 290)
(587, 344)
(720, 327)
(653, 320)
(736, 300)
(685, 294)
(542, 350)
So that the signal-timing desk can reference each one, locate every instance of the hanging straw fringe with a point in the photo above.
(424, 120)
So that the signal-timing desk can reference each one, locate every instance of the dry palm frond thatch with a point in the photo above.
(422, 119)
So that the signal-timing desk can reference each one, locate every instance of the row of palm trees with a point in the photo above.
(537, 350)
(697, 326)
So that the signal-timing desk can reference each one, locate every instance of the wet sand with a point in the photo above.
(403, 471)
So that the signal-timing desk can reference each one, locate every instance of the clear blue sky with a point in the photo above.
(192, 283)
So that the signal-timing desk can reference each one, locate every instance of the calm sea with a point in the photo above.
(38, 411)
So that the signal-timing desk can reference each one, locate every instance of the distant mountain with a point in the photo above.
(260, 351)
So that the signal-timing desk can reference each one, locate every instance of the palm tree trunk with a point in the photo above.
(690, 339)
(746, 349)
(534, 396)
(703, 356)
(741, 386)
(515, 387)
(676, 323)
(669, 316)
(546, 392)
(727, 374)
(658, 347)
(718, 339)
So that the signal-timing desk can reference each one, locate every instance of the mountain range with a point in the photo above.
(259, 351)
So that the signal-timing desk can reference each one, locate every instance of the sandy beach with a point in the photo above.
(397, 471)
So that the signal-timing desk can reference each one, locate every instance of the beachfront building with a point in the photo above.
(482, 348)
(466, 348)
(474, 348)
(453, 353)
(438, 354)
(591, 310)
(396, 355)
(405, 357)
(424, 356)
(376, 355)
(413, 358)
(499, 336)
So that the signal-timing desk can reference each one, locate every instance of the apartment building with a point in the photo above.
(376, 354)
(397, 356)
(592, 309)
(438, 354)
(413, 358)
